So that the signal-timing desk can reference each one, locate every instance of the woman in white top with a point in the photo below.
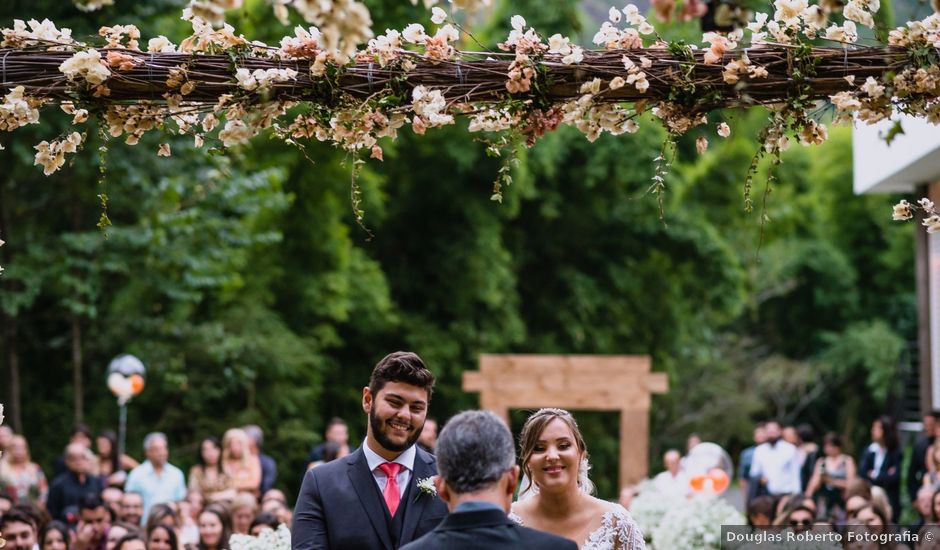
(557, 498)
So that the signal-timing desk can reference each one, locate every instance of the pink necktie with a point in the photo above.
(391, 493)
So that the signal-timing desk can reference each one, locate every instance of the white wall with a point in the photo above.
(912, 158)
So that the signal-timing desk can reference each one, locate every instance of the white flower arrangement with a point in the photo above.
(266, 540)
(695, 523)
(649, 506)
(426, 487)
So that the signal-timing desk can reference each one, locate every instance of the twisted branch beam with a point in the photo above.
(472, 78)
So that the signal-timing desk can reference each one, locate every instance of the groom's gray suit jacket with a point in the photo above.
(340, 507)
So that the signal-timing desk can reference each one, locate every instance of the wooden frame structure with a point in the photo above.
(621, 383)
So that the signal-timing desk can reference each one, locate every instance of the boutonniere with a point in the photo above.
(426, 487)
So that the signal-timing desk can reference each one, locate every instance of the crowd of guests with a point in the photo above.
(789, 480)
(97, 500)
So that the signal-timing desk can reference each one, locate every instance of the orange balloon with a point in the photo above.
(716, 481)
(719, 479)
(137, 383)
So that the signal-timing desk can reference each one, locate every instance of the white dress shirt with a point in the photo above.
(674, 486)
(406, 459)
(780, 464)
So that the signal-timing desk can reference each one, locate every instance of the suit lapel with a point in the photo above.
(420, 501)
(364, 484)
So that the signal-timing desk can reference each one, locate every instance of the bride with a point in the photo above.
(557, 497)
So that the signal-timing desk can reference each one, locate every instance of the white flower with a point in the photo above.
(614, 15)
(723, 130)
(632, 13)
(853, 11)
(873, 88)
(235, 132)
(902, 211)
(430, 107)
(17, 110)
(789, 11)
(932, 223)
(926, 204)
(438, 15)
(559, 44)
(701, 144)
(51, 155)
(617, 82)
(426, 486)
(414, 34)
(576, 56)
(160, 44)
(164, 150)
(86, 65)
(517, 22)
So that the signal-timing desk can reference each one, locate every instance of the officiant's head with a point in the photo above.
(396, 401)
(476, 460)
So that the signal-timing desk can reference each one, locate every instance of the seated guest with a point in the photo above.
(263, 522)
(673, 482)
(117, 532)
(215, 528)
(268, 464)
(922, 505)
(833, 473)
(162, 514)
(243, 508)
(760, 511)
(189, 518)
(20, 476)
(337, 432)
(241, 466)
(132, 508)
(19, 530)
(280, 510)
(207, 476)
(54, 536)
(68, 488)
(94, 521)
(131, 541)
(111, 496)
(6, 502)
(476, 460)
(162, 537)
(156, 479)
(112, 468)
(81, 435)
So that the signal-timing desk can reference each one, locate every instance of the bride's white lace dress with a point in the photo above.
(617, 531)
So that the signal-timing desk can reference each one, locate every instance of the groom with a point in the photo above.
(370, 499)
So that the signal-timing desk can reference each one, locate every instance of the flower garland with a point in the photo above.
(221, 88)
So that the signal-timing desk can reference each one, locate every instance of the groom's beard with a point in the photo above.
(378, 425)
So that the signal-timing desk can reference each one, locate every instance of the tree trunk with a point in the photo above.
(9, 326)
(13, 364)
(77, 367)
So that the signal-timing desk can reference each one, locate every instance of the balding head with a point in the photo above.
(77, 458)
(671, 461)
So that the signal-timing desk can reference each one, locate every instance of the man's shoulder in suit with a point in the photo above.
(465, 530)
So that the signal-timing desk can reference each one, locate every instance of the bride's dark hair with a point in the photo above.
(530, 436)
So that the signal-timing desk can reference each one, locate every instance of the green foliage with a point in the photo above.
(248, 289)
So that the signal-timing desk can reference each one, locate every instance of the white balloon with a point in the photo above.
(115, 380)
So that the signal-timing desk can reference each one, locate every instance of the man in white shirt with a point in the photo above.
(673, 482)
(777, 463)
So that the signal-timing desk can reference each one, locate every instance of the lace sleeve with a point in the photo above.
(628, 532)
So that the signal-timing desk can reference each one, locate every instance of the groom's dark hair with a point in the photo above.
(401, 366)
